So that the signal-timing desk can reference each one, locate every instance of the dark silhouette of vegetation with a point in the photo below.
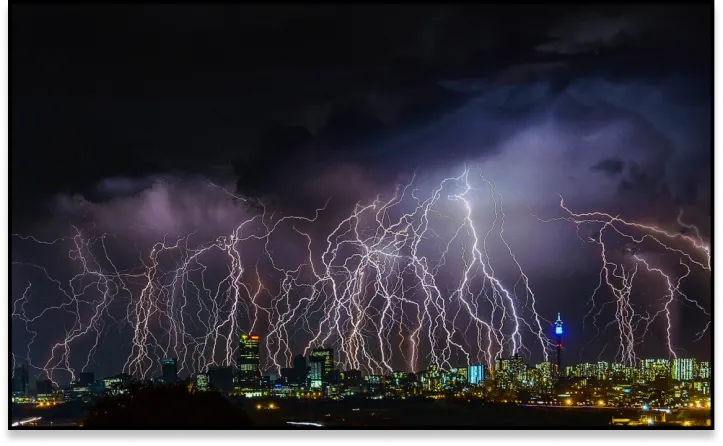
(153, 406)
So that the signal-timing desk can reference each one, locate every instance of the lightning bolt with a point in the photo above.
(413, 276)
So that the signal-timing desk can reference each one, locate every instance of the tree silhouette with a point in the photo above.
(148, 406)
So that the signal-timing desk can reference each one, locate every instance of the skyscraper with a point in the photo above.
(20, 380)
(316, 372)
(510, 372)
(327, 359)
(44, 388)
(202, 382)
(683, 369)
(301, 370)
(249, 373)
(547, 372)
(654, 368)
(170, 370)
(704, 370)
(475, 374)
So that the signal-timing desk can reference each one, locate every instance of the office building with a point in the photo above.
(202, 382)
(351, 378)
(546, 372)
(249, 370)
(301, 370)
(510, 372)
(44, 388)
(683, 369)
(170, 370)
(476, 374)
(704, 370)
(20, 380)
(654, 368)
(327, 358)
(316, 372)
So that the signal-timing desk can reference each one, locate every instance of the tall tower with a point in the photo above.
(249, 373)
(326, 356)
(558, 336)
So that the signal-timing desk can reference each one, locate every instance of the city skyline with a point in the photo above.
(480, 205)
(249, 373)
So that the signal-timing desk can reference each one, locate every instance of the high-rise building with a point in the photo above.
(20, 380)
(44, 387)
(352, 378)
(316, 372)
(202, 382)
(683, 369)
(509, 372)
(327, 357)
(547, 372)
(704, 370)
(476, 374)
(301, 370)
(603, 370)
(170, 370)
(249, 372)
(654, 368)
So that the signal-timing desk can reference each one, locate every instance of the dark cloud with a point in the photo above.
(128, 119)
(610, 166)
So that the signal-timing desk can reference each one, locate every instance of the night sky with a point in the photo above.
(123, 116)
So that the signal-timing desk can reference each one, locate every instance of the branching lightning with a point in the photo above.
(409, 277)
(620, 270)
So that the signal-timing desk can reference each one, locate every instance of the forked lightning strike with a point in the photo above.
(410, 277)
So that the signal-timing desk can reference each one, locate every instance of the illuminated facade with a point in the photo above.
(316, 372)
(603, 370)
(510, 372)
(704, 370)
(202, 382)
(476, 374)
(654, 368)
(547, 371)
(249, 373)
(683, 369)
(327, 358)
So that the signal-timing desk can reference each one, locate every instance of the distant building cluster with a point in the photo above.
(654, 382)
